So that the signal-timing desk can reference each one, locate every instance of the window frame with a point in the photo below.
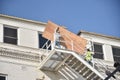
(114, 54)
(10, 37)
(98, 55)
(40, 33)
(4, 75)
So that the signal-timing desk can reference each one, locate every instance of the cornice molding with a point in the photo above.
(16, 54)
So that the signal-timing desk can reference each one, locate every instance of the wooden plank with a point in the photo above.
(68, 37)
(79, 43)
(50, 30)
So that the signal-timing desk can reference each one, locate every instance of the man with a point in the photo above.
(57, 38)
(88, 56)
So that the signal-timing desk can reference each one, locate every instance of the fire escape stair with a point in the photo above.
(73, 65)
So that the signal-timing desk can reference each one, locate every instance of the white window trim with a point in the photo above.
(12, 27)
(4, 75)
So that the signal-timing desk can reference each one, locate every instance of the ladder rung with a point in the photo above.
(97, 78)
(68, 75)
(84, 70)
(91, 76)
(69, 59)
(72, 62)
(70, 72)
(76, 65)
(80, 67)
(87, 73)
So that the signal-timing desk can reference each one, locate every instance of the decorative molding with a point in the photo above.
(17, 54)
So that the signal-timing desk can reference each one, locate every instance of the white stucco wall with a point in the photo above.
(1, 32)
(102, 40)
(107, 45)
(27, 31)
(20, 72)
(22, 24)
(28, 37)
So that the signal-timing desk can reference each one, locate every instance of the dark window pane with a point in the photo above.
(116, 53)
(42, 41)
(10, 32)
(117, 58)
(10, 40)
(10, 35)
(2, 78)
(97, 55)
(98, 48)
(98, 51)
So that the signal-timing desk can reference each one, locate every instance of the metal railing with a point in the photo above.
(53, 43)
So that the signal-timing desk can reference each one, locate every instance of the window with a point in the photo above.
(10, 35)
(2, 77)
(98, 51)
(42, 41)
(116, 53)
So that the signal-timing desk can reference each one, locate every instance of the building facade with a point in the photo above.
(106, 48)
(21, 44)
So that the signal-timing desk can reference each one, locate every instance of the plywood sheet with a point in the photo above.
(68, 37)
(50, 30)
(79, 43)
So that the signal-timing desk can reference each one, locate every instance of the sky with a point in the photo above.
(99, 16)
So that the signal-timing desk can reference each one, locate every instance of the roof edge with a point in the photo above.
(26, 20)
(93, 33)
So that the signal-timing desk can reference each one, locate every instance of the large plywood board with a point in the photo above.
(69, 40)
(50, 30)
(74, 42)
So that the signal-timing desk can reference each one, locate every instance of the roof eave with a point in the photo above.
(92, 33)
(26, 20)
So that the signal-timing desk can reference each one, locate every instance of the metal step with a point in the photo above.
(84, 70)
(81, 68)
(91, 76)
(73, 65)
(72, 62)
(87, 73)
(76, 64)
(69, 59)
(69, 73)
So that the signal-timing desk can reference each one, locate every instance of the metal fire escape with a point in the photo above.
(69, 64)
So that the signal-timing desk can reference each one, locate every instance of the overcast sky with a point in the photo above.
(100, 16)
